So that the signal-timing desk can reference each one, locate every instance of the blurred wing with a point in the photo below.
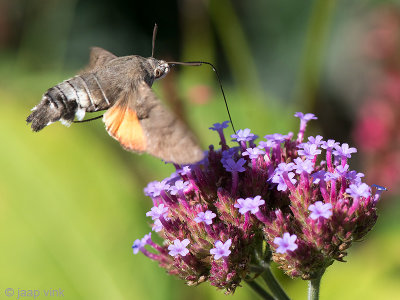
(141, 123)
(98, 58)
(167, 136)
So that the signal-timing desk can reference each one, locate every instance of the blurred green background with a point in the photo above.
(71, 199)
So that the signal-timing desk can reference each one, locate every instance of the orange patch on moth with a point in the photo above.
(123, 125)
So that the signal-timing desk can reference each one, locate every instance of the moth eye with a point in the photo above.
(158, 73)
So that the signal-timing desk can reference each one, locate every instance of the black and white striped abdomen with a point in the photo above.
(87, 91)
(69, 99)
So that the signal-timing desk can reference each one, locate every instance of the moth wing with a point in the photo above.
(122, 124)
(98, 58)
(167, 137)
(140, 123)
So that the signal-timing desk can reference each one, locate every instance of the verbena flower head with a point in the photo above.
(291, 202)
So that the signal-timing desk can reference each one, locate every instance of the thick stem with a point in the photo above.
(274, 285)
(259, 290)
(313, 287)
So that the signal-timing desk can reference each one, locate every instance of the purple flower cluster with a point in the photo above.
(300, 198)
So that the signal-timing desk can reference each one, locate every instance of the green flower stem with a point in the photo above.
(318, 28)
(235, 46)
(259, 290)
(274, 285)
(313, 287)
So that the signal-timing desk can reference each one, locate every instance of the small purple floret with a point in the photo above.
(319, 209)
(303, 166)
(157, 211)
(329, 144)
(186, 170)
(355, 177)
(342, 170)
(154, 188)
(362, 190)
(146, 238)
(137, 245)
(231, 166)
(344, 150)
(221, 249)
(253, 153)
(266, 144)
(285, 243)
(315, 140)
(157, 226)
(229, 153)
(179, 248)
(278, 178)
(309, 150)
(140, 243)
(149, 189)
(243, 135)
(305, 117)
(284, 167)
(249, 204)
(276, 137)
(205, 217)
(180, 185)
(318, 176)
(219, 126)
(332, 176)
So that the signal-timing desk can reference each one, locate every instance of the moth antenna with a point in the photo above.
(87, 120)
(199, 63)
(154, 39)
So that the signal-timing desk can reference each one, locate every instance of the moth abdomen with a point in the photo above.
(67, 100)
(53, 107)
(87, 91)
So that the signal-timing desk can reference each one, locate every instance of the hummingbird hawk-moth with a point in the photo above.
(135, 117)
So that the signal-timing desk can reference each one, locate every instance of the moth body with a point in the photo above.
(95, 89)
(135, 117)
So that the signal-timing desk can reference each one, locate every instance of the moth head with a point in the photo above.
(158, 68)
(161, 69)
